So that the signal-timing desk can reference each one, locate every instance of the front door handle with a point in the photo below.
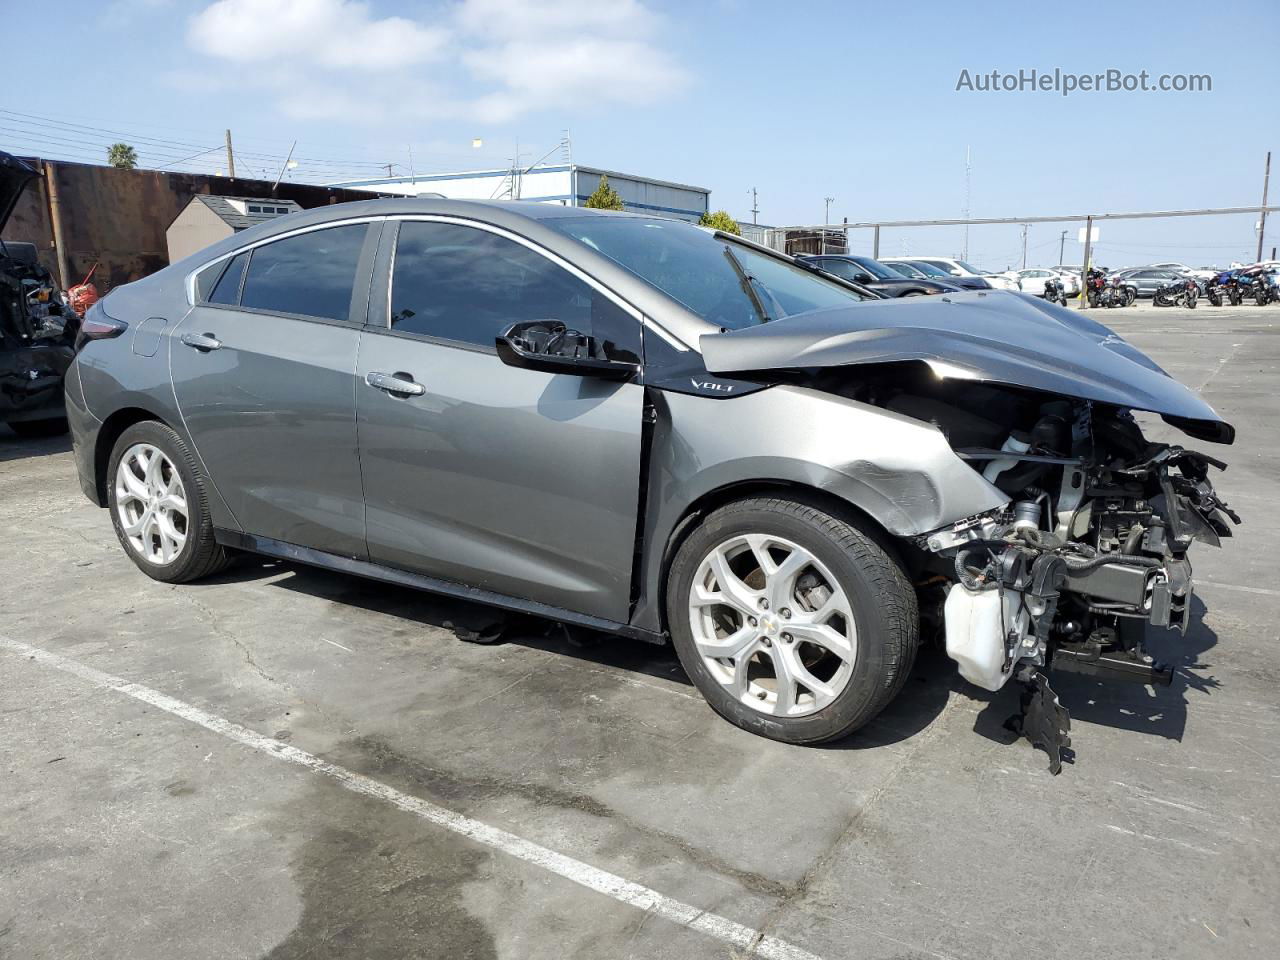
(398, 384)
(204, 342)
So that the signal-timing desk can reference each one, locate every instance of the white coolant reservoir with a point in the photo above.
(1015, 443)
(976, 622)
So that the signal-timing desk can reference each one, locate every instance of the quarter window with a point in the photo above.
(312, 274)
(467, 285)
(227, 289)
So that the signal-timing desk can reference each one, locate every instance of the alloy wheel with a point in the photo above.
(772, 625)
(151, 504)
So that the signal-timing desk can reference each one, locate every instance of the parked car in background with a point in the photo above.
(635, 425)
(37, 331)
(877, 276)
(1202, 274)
(937, 273)
(1032, 281)
(958, 268)
(1147, 280)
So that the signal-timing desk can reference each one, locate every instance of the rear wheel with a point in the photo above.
(793, 623)
(159, 509)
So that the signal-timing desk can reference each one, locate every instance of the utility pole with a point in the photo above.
(967, 169)
(284, 167)
(826, 221)
(1262, 217)
(1062, 240)
(755, 207)
(875, 243)
(1084, 273)
(231, 158)
(1025, 227)
(388, 166)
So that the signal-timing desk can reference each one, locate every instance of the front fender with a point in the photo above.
(899, 471)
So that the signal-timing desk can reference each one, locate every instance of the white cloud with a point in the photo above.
(583, 70)
(330, 33)
(506, 19)
(482, 60)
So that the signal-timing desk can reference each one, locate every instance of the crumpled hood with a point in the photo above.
(14, 175)
(997, 336)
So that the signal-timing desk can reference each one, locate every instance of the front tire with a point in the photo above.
(156, 496)
(792, 622)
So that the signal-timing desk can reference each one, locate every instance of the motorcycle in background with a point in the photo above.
(1177, 293)
(1095, 282)
(1054, 291)
(1224, 288)
(1117, 293)
(1264, 288)
(1107, 291)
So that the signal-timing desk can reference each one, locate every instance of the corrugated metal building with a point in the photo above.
(567, 184)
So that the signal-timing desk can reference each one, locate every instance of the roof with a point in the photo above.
(513, 214)
(226, 211)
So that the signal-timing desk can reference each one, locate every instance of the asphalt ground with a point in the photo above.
(283, 762)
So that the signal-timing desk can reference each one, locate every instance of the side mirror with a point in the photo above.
(550, 346)
(864, 278)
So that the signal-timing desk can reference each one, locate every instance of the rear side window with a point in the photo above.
(312, 274)
(227, 289)
(844, 269)
(468, 285)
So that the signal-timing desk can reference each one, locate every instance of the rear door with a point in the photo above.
(517, 481)
(264, 374)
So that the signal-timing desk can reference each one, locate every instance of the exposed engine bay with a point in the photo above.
(1092, 545)
(37, 328)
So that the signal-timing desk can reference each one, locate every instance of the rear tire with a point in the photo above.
(835, 611)
(159, 508)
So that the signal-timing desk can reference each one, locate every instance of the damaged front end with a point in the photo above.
(1091, 543)
(36, 329)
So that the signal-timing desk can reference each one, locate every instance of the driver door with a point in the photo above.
(517, 481)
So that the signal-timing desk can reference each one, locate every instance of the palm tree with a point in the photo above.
(122, 155)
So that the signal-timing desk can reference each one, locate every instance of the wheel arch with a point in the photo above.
(698, 509)
(110, 431)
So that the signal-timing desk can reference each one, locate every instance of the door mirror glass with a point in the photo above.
(552, 347)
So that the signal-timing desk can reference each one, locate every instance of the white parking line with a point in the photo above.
(1238, 587)
(611, 885)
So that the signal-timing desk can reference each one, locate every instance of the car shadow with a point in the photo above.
(922, 699)
(14, 447)
(462, 617)
(1155, 711)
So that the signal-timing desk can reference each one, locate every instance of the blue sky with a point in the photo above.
(802, 101)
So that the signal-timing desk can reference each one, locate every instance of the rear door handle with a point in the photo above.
(204, 342)
(398, 384)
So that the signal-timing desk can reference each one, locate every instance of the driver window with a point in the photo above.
(466, 285)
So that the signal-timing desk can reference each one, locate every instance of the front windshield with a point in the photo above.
(907, 270)
(969, 269)
(929, 269)
(726, 283)
(877, 269)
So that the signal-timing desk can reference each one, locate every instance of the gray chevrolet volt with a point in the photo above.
(640, 426)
